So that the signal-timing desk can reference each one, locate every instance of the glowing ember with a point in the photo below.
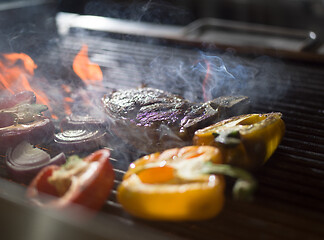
(67, 100)
(89, 72)
(66, 88)
(67, 108)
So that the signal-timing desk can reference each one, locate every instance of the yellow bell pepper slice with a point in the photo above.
(246, 141)
(176, 184)
(167, 186)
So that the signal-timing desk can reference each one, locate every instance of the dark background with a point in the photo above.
(307, 14)
(19, 19)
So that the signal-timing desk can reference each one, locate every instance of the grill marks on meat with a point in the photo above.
(153, 120)
(141, 104)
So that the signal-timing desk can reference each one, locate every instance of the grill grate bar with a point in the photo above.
(306, 130)
(300, 160)
(301, 81)
(305, 136)
(294, 109)
(291, 180)
(297, 166)
(128, 46)
(304, 145)
(301, 153)
(269, 188)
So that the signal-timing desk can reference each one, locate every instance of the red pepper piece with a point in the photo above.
(89, 187)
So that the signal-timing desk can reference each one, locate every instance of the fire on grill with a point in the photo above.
(150, 120)
(198, 63)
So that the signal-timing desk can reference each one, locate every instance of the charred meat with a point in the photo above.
(153, 120)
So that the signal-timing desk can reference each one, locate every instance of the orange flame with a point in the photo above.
(67, 108)
(15, 69)
(67, 100)
(89, 72)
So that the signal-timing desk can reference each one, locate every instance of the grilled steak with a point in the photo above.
(153, 120)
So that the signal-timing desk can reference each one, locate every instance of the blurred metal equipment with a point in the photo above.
(245, 38)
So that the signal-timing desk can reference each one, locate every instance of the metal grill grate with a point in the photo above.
(289, 201)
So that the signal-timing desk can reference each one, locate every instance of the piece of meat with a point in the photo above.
(153, 120)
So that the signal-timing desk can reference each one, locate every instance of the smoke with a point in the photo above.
(206, 75)
(192, 73)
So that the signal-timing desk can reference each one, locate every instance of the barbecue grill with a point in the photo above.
(289, 201)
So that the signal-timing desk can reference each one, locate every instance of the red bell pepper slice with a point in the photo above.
(87, 183)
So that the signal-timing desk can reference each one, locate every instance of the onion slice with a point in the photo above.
(77, 140)
(39, 131)
(24, 161)
(7, 119)
(74, 121)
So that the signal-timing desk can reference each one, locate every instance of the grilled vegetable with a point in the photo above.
(78, 140)
(77, 122)
(86, 182)
(38, 131)
(246, 141)
(21, 119)
(25, 112)
(21, 107)
(179, 184)
(81, 133)
(7, 119)
(24, 161)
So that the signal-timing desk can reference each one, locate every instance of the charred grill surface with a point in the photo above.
(289, 201)
(153, 120)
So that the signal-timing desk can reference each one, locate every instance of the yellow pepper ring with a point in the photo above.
(257, 137)
(168, 186)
